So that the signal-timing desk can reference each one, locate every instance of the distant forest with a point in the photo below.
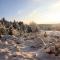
(19, 28)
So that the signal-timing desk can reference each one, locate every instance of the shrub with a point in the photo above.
(34, 27)
(2, 31)
(29, 29)
(45, 34)
(10, 31)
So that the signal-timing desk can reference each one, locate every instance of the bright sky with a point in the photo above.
(39, 11)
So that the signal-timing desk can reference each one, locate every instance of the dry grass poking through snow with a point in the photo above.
(30, 46)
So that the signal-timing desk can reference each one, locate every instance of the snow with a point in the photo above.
(30, 47)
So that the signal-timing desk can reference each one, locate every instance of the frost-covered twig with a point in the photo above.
(44, 42)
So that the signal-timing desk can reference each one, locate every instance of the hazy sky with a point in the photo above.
(39, 11)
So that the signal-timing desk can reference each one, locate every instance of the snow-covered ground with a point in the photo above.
(29, 46)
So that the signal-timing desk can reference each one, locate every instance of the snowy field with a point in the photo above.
(30, 46)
